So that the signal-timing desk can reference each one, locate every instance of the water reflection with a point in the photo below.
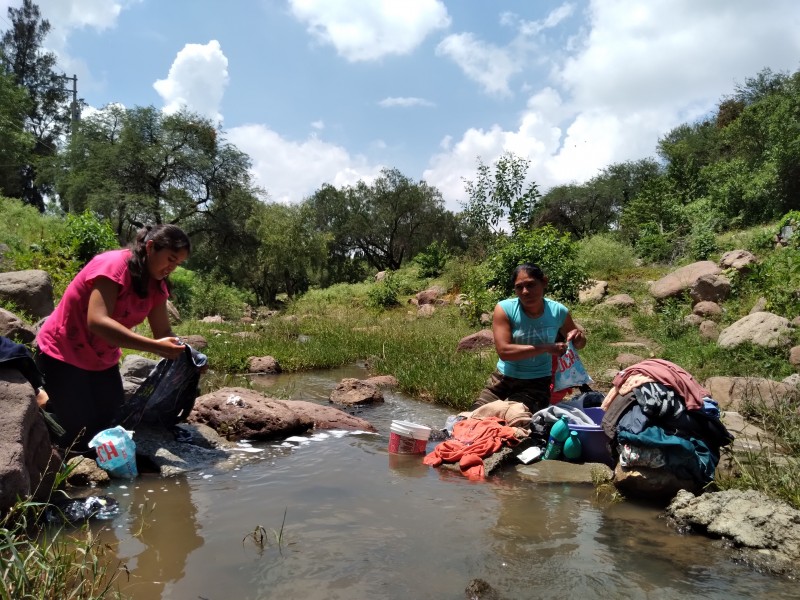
(164, 532)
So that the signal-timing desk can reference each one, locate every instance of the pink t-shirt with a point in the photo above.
(65, 334)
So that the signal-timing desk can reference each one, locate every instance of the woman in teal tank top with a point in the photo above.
(527, 330)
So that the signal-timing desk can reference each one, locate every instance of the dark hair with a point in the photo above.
(530, 270)
(162, 236)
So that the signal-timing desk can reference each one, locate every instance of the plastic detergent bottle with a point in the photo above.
(559, 432)
(572, 446)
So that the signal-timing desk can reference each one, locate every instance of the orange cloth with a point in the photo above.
(473, 439)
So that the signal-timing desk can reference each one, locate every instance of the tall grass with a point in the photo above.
(770, 465)
(52, 564)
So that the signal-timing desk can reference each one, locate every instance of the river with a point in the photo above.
(363, 524)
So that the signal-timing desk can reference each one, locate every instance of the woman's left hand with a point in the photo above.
(577, 337)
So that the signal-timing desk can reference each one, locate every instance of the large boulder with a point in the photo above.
(429, 296)
(764, 531)
(741, 260)
(708, 309)
(732, 392)
(621, 301)
(27, 459)
(263, 365)
(11, 326)
(353, 392)
(710, 288)
(237, 413)
(328, 417)
(475, 341)
(652, 484)
(760, 328)
(594, 292)
(31, 291)
(135, 370)
(681, 280)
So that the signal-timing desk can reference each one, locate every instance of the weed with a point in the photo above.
(260, 536)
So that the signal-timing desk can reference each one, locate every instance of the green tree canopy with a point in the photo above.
(33, 69)
(501, 197)
(16, 143)
(136, 166)
(385, 223)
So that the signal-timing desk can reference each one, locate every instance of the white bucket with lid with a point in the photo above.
(408, 438)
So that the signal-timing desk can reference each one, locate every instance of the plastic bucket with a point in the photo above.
(408, 438)
(594, 441)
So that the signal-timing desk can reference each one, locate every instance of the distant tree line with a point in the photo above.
(736, 167)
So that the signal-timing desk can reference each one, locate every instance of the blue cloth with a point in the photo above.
(533, 332)
(687, 458)
(17, 356)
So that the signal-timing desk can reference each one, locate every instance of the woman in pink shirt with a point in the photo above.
(79, 345)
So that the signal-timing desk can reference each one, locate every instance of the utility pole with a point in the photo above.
(74, 113)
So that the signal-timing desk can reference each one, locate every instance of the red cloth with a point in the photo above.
(670, 374)
(473, 439)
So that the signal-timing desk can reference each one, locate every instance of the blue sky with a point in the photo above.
(331, 91)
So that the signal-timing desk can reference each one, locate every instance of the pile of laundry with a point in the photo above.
(659, 417)
(478, 434)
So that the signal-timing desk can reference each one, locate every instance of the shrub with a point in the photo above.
(85, 236)
(603, 256)
(702, 242)
(198, 295)
(654, 246)
(384, 293)
(433, 259)
(554, 252)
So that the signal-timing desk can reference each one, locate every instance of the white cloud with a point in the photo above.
(404, 102)
(67, 16)
(197, 80)
(291, 171)
(365, 30)
(490, 66)
(318, 125)
(634, 74)
(493, 66)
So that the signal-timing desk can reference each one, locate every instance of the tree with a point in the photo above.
(385, 223)
(137, 166)
(595, 206)
(290, 251)
(494, 199)
(48, 111)
(16, 144)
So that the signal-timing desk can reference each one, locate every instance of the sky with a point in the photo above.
(333, 91)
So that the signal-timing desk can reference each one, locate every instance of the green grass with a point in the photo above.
(52, 564)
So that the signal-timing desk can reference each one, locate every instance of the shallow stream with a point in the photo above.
(363, 524)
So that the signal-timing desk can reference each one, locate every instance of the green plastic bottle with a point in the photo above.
(572, 446)
(559, 433)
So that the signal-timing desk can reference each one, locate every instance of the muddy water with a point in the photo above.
(363, 524)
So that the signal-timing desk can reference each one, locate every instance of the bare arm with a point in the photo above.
(102, 301)
(573, 333)
(508, 350)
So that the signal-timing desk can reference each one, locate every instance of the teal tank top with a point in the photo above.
(533, 332)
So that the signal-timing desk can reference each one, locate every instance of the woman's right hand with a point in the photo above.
(558, 349)
(169, 347)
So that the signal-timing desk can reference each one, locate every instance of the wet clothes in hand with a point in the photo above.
(167, 395)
